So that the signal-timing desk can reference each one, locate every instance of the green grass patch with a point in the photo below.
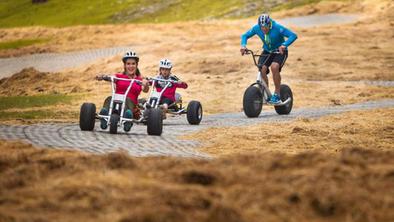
(21, 43)
(182, 10)
(16, 13)
(38, 114)
(60, 13)
(298, 3)
(23, 102)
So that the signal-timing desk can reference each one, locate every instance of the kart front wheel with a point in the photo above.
(87, 116)
(155, 122)
(253, 101)
(194, 113)
(113, 127)
(285, 93)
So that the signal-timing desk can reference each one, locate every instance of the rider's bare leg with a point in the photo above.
(264, 74)
(276, 76)
(165, 108)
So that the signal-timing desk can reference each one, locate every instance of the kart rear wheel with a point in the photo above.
(155, 122)
(194, 112)
(253, 101)
(87, 116)
(113, 127)
(285, 93)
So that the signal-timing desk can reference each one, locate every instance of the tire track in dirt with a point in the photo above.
(138, 143)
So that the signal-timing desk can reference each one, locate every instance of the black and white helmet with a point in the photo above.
(165, 63)
(130, 55)
(264, 20)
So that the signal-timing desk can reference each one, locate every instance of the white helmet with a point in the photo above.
(165, 63)
(130, 55)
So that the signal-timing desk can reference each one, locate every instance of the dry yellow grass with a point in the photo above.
(367, 129)
(55, 185)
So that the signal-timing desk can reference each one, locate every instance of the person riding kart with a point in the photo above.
(273, 36)
(130, 71)
(168, 96)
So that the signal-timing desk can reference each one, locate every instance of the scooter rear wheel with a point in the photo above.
(285, 93)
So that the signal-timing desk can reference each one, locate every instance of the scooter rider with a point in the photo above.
(273, 36)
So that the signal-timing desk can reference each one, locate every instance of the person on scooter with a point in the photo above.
(130, 71)
(168, 96)
(273, 36)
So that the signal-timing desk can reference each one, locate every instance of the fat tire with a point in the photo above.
(113, 127)
(194, 112)
(87, 116)
(155, 122)
(252, 95)
(285, 92)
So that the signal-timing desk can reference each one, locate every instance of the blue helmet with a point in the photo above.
(264, 20)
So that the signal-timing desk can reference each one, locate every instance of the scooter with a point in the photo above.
(258, 94)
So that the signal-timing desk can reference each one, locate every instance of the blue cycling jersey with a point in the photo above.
(274, 39)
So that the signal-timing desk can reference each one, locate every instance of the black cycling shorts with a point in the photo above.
(266, 59)
(166, 101)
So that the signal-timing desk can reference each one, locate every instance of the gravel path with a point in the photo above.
(56, 62)
(138, 143)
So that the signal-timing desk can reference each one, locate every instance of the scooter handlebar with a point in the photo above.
(248, 51)
(162, 80)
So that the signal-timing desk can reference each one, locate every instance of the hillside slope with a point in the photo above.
(17, 13)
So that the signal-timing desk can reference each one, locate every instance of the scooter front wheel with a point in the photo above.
(253, 101)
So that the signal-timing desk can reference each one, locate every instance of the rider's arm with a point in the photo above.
(182, 85)
(150, 82)
(145, 85)
(103, 77)
(291, 36)
(244, 37)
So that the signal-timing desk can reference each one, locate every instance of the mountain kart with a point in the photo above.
(151, 116)
(193, 111)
